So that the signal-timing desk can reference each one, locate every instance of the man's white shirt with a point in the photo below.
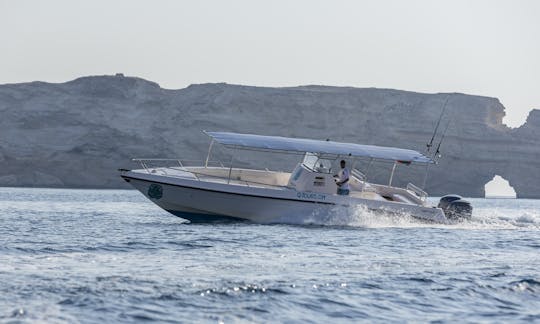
(344, 175)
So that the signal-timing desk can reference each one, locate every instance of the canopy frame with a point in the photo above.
(328, 149)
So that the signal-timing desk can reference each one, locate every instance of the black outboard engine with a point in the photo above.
(455, 207)
(446, 200)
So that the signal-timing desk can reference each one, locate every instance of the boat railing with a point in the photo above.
(150, 165)
(358, 175)
(417, 191)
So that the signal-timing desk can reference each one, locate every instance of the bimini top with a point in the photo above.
(301, 145)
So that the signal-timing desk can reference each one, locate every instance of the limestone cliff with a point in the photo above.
(78, 133)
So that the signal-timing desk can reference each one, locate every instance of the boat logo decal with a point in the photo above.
(155, 191)
(310, 195)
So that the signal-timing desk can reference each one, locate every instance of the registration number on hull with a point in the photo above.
(311, 195)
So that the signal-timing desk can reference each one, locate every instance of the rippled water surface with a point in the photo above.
(112, 256)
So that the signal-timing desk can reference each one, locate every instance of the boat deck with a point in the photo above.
(187, 173)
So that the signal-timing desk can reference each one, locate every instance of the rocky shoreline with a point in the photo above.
(77, 134)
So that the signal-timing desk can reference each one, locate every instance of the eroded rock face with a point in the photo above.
(78, 133)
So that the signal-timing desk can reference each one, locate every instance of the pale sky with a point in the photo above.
(479, 47)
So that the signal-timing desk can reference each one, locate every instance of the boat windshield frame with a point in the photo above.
(316, 163)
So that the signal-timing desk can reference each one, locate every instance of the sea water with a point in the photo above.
(88, 256)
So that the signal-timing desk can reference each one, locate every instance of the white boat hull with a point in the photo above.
(200, 201)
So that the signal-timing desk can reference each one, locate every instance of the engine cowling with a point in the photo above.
(455, 207)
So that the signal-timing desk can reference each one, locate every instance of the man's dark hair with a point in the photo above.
(342, 161)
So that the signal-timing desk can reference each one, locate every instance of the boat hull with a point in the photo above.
(203, 202)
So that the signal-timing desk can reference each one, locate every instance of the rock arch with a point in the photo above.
(499, 187)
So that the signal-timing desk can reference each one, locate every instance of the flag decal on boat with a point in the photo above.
(155, 191)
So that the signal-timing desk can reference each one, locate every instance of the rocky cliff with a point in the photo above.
(78, 133)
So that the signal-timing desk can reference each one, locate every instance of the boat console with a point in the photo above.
(305, 179)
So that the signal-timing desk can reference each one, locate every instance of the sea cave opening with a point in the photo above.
(499, 187)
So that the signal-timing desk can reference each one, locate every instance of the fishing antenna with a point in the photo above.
(438, 151)
(430, 144)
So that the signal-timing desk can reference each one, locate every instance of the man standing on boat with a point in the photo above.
(343, 181)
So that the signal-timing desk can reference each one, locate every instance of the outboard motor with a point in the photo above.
(455, 207)
(446, 200)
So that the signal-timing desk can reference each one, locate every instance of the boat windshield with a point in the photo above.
(310, 159)
(314, 163)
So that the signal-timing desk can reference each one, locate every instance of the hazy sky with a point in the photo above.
(489, 48)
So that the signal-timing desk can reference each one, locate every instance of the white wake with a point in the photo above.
(487, 214)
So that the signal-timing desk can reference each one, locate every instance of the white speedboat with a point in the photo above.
(205, 193)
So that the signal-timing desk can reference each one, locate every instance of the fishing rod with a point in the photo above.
(436, 154)
(438, 151)
(430, 144)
